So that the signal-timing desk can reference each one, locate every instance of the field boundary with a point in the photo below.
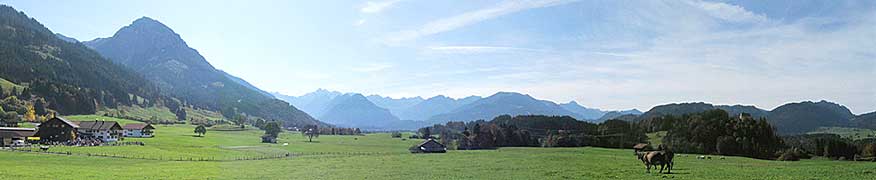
(241, 158)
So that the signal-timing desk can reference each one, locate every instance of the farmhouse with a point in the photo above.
(106, 131)
(140, 130)
(429, 146)
(57, 129)
(10, 136)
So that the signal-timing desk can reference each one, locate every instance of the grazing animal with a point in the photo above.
(661, 158)
(701, 157)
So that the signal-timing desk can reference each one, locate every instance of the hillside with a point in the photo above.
(69, 77)
(354, 110)
(796, 118)
(433, 106)
(628, 115)
(501, 103)
(678, 109)
(159, 54)
(865, 120)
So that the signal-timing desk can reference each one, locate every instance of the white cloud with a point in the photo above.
(468, 18)
(377, 7)
(359, 22)
(728, 12)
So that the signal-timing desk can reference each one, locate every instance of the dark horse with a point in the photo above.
(663, 157)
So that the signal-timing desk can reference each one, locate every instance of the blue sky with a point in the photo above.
(609, 54)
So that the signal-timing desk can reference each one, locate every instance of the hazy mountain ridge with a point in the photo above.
(499, 104)
(354, 110)
(433, 106)
(396, 106)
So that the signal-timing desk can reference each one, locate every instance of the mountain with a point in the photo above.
(65, 38)
(678, 109)
(586, 113)
(802, 117)
(735, 110)
(69, 77)
(395, 106)
(433, 106)
(314, 103)
(159, 54)
(354, 110)
(630, 115)
(865, 120)
(246, 84)
(499, 104)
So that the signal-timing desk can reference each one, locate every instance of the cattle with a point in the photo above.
(662, 158)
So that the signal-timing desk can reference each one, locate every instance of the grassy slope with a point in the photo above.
(7, 86)
(854, 133)
(394, 163)
(656, 138)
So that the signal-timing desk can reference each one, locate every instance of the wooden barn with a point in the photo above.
(429, 146)
(12, 136)
(57, 129)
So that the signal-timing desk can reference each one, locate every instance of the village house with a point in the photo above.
(57, 129)
(139, 130)
(12, 136)
(106, 131)
(429, 146)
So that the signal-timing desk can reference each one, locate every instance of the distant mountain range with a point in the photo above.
(416, 111)
(160, 55)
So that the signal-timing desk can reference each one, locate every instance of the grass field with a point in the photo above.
(8, 86)
(845, 132)
(377, 156)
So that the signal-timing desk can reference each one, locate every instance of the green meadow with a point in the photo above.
(224, 154)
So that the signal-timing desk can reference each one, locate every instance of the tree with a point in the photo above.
(201, 130)
(273, 128)
(426, 132)
(9, 118)
(181, 114)
(30, 115)
(310, 131)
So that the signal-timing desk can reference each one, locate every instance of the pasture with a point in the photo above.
(377, 156)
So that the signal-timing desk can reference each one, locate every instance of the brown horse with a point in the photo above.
(662, 158)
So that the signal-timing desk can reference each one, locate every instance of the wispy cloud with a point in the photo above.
(372, 67)
(481, 49)
(377, 7)
(468, 18)
(728, 12)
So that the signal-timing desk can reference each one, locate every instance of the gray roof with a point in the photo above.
(98, 125)
(68, 122)
(11, 132)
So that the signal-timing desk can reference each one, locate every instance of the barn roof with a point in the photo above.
(11, 132)
(137, 126)
(98, 125)
(65, 121)
(429, 141)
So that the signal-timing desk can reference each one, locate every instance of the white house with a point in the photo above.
(138, 130)
(106, 131)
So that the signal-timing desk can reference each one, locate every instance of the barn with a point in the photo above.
(429, 146)
(12, 136)
(140, 130)
(57, 129)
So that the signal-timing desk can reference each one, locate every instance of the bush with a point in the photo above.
(789, 155)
